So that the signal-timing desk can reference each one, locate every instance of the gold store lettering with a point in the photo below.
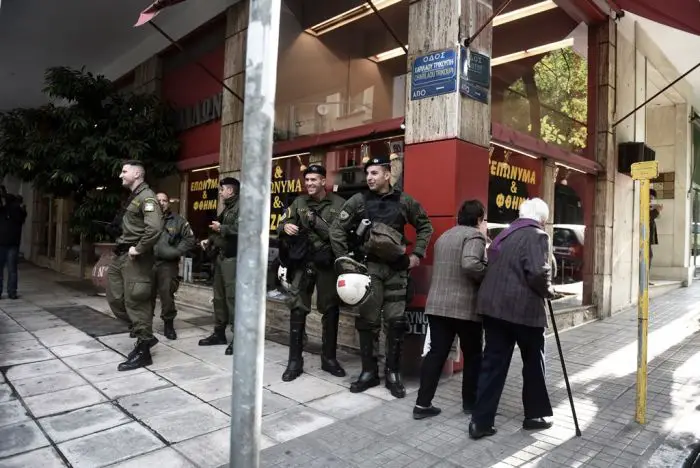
(509, 171)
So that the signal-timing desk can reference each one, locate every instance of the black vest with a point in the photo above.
(385, 209)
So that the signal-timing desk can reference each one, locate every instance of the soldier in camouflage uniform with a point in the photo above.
(393, 208)
(223, 243)
(131, 273)
(311, 215)
(176, 240)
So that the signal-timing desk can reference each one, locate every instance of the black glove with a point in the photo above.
(402, 263)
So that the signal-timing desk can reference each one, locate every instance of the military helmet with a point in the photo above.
(354, 285)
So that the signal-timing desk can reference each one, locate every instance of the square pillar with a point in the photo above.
(598, 248)
(231, 152)
(446, 155)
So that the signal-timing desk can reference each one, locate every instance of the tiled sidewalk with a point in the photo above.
(63, 402)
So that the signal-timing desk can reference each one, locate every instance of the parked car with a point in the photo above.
(568, 242)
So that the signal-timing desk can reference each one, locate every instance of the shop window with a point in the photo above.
(572, 236)
(335, 78)
(513, 178)
(202, 203)
(540, 76)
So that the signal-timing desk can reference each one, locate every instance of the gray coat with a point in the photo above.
(459, 265)
(518, 280)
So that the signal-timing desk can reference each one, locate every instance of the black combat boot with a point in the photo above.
(370, 373)
(329, 363)
(139, 357)
(392, 368)
(295, 365)
(151, 342)
(216, 338)
(169, 330)
(229, 349)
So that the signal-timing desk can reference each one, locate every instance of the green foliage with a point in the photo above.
(562, 97)
(72, 150)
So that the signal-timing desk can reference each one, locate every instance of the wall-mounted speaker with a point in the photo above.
(632, 152)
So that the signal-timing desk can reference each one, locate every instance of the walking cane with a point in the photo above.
(563, 368)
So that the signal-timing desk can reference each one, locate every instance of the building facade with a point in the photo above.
(530, 107)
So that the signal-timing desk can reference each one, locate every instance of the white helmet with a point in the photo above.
(354, 283)
(282, 276)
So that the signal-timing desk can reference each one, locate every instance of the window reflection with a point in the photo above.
(339, 79)
(540, 77)
(573, 198)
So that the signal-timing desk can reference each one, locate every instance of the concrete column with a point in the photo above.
(148, 76)
(231, 151)
(630, 92)
(448, 133)
(602, 38)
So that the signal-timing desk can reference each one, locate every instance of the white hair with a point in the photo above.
(535, 209)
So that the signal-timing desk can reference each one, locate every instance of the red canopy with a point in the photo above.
(678, 14)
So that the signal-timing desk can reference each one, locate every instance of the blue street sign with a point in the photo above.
(434, 74)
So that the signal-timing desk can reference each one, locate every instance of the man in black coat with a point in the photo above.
(511, 301)
(12, 217)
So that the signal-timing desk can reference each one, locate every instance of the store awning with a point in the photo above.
(678, 14)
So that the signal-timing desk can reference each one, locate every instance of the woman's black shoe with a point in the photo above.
(422, 413)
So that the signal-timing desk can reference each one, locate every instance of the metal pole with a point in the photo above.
(253, 236)
(643, 306)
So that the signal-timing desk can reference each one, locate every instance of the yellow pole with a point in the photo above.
(643, 307)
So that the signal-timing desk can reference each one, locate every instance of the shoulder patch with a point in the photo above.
(149, 206)
(344, 215)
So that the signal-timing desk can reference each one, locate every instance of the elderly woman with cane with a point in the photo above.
(512, 303)
(458, 268)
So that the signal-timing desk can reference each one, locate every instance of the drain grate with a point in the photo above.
(88, 320)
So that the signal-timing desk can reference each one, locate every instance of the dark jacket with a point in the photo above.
(459, 266)
(176, 240)
(12, 216)
(518, 280)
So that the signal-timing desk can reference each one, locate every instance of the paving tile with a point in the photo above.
(12, 412)
(158, 402)
(131, 384)
(104, 372)
(63, 400)
(165, 457)
(16, 337)
(165, 358)
(306, 388)
(210, 389)
(21, 437)
(48, 383)
(293, 423)
(345, 404)
(74, 349)
(93, 359)
(6, 393)
(207, 451)
(27, 345)
(56, 336)
(23, 357)
(36, 369)
(189, 422)
(42, 458)
(83, 421)
(189, 372)
(110, 446)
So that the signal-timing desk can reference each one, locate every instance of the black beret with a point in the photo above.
(378, 161)
(315, 169)
(230, 181)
